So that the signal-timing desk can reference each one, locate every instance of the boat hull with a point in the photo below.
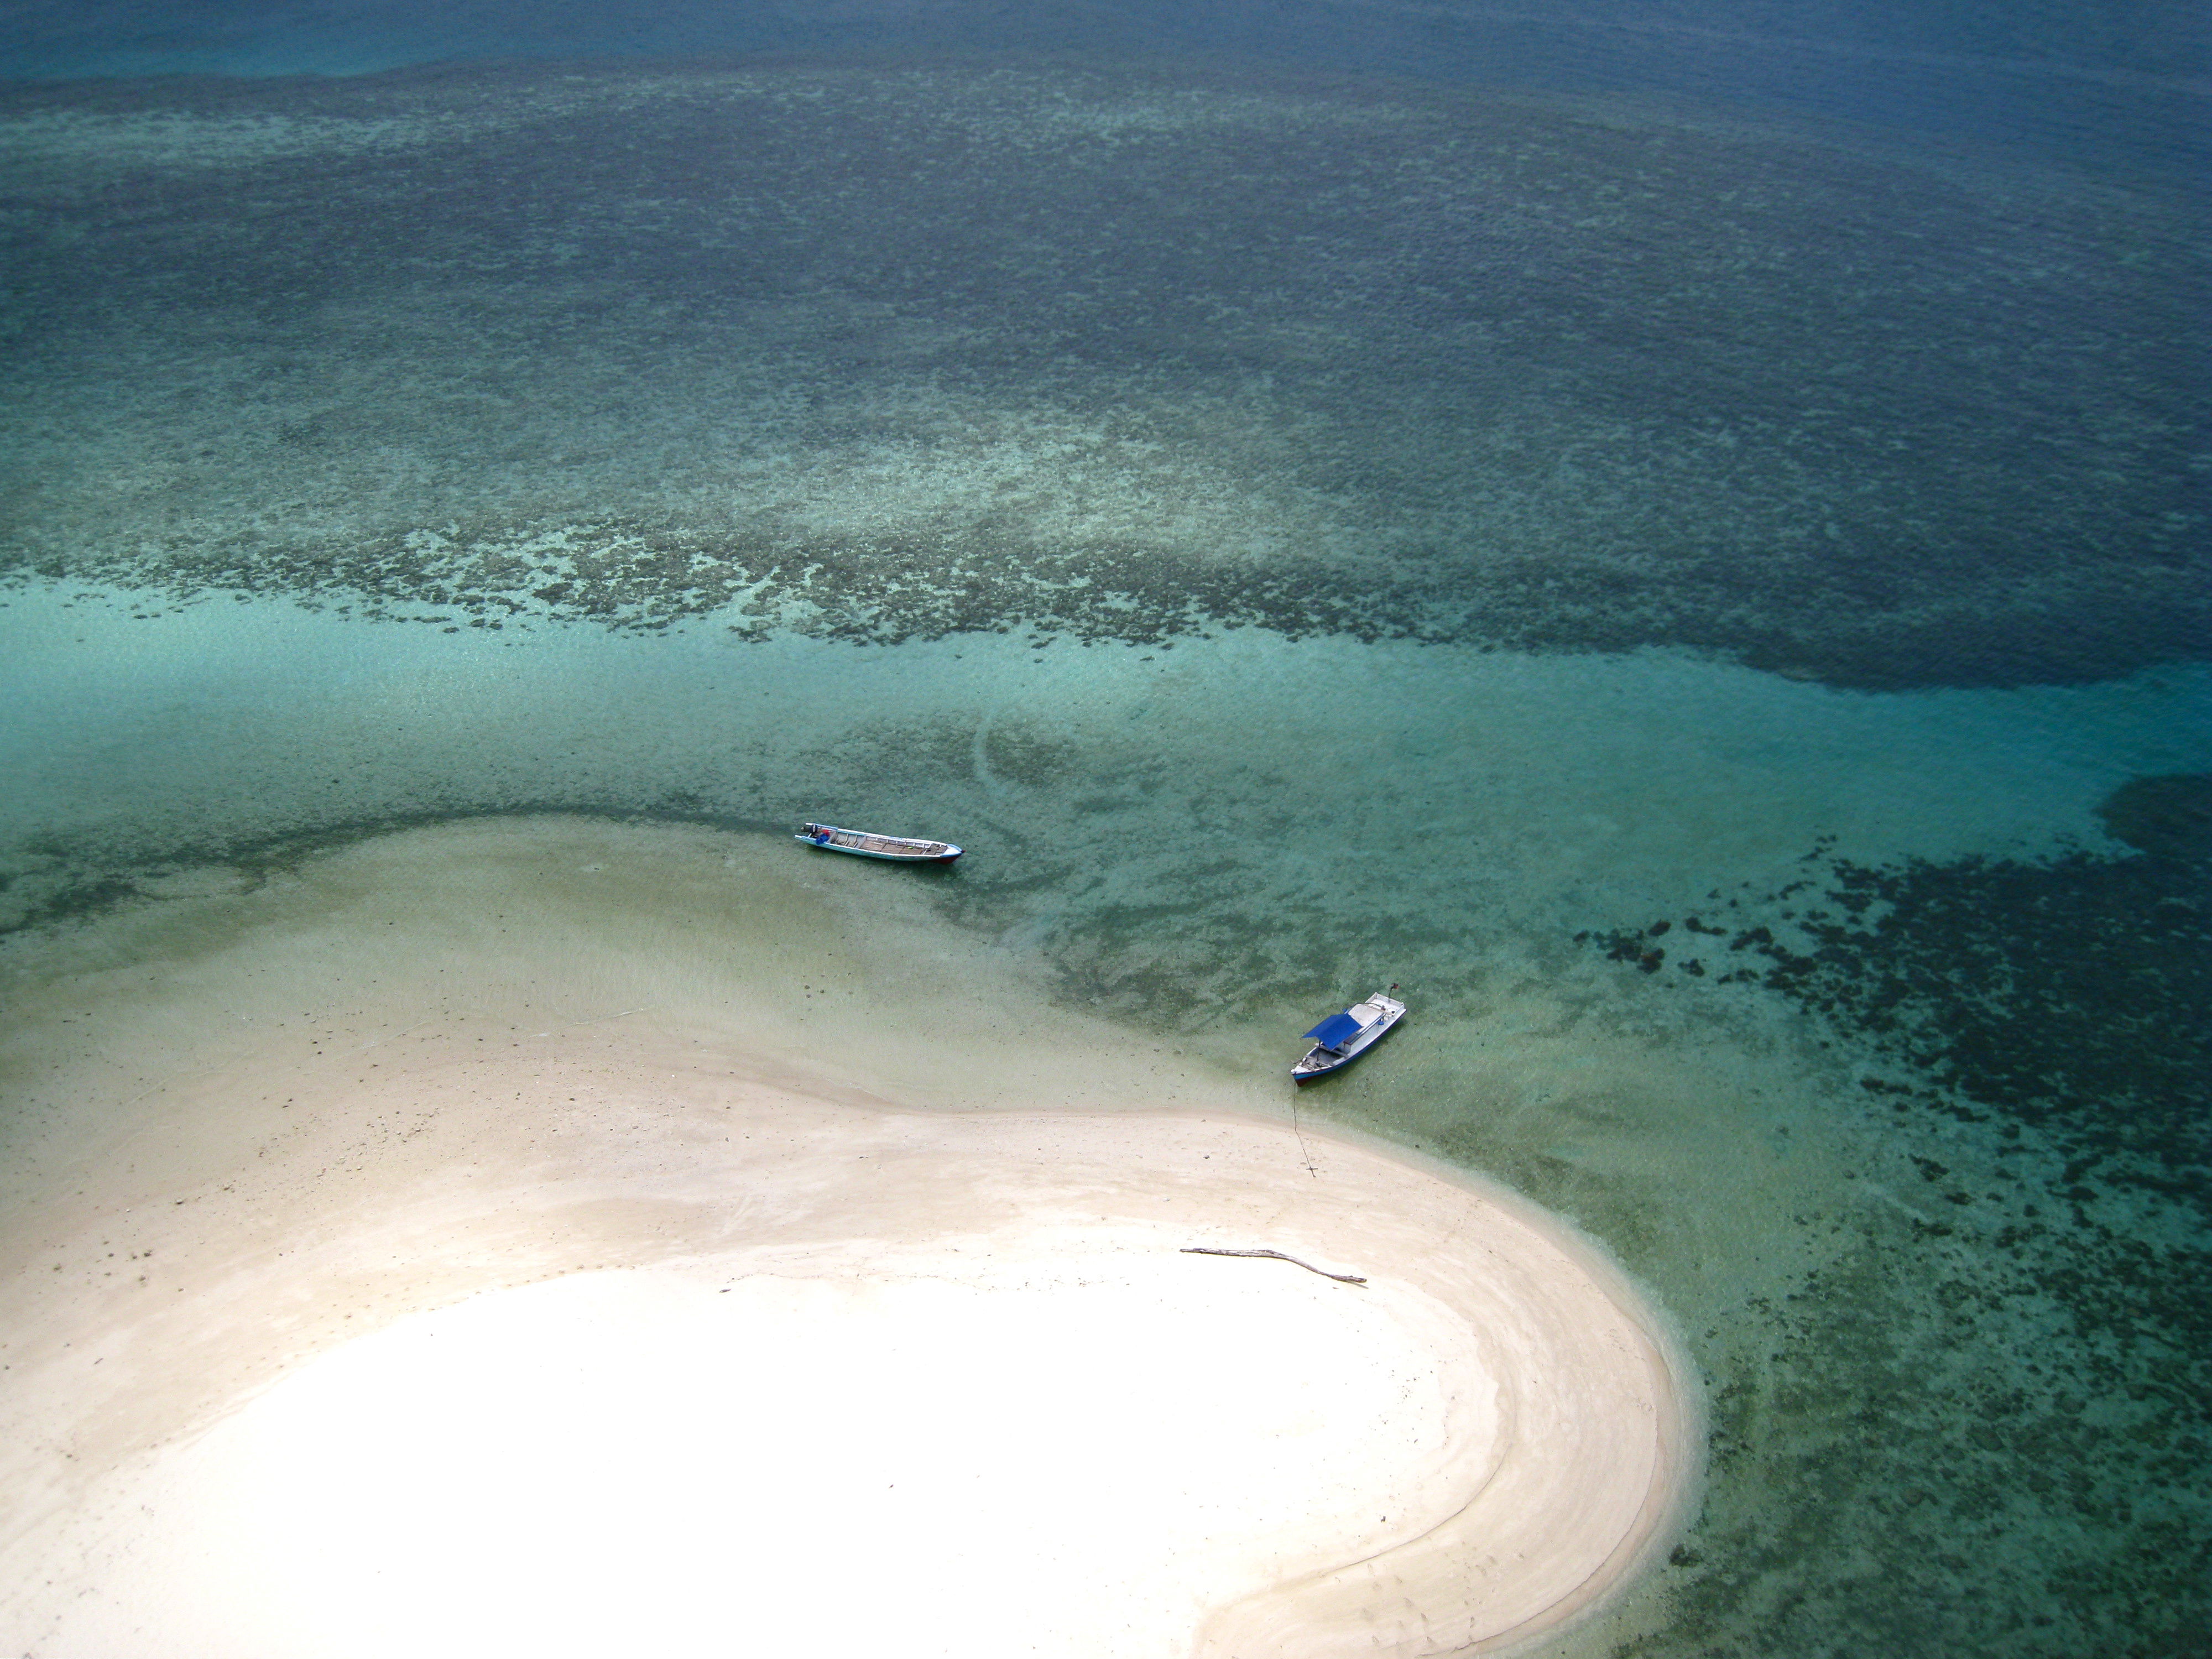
(1321, 1062)
(865, 844)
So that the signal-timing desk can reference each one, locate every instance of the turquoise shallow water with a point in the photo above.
(1708, 597)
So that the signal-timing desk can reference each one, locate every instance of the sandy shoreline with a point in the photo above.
(528, 1115)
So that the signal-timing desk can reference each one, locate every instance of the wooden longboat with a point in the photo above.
(863, 844)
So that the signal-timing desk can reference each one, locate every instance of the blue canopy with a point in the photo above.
(1332, 1032)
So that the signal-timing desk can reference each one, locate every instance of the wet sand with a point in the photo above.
(555, 1235)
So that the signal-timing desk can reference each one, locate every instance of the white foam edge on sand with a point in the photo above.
(541, 1092)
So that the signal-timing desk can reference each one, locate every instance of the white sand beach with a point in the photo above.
(559, 1236)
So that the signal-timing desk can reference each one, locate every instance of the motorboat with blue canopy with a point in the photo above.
(1342, 1038)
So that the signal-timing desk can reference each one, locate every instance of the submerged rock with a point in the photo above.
(2169, 817)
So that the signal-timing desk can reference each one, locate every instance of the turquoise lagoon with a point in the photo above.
(1709, 598)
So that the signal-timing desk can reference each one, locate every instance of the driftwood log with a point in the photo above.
(1277, 1255)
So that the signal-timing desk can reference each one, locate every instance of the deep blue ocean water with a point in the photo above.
(1676, 532)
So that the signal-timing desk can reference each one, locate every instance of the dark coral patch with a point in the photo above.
(2168, 817)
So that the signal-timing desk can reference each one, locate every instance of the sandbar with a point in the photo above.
(557, 1236)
